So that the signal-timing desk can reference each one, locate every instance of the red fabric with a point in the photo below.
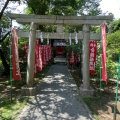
(40, 56)
(48, 48)
(93, 52)
(43, 56)
(104, 69)
(59, 50)
(15, 56)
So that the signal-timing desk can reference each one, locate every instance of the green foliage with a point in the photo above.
(113, 45)
(4, 22)
(22, 41)
(38, 7)
(114, 26)
(111, 65)
(111, 69)
(63, 7)
(74, 7)
(76, 48)
(9, 110)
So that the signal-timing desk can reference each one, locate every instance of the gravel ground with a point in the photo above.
(56, 99)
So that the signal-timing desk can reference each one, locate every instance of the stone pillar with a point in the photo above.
(85, 57)
(85, 90)
(31, 55)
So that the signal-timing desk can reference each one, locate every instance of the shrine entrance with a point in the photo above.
(86, 35)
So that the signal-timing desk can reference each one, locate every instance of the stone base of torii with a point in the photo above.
(85, 21)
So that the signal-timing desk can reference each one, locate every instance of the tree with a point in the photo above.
(63, 7)
(38, 7)
(114, 26)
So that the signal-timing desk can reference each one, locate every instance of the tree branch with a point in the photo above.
(2, 11)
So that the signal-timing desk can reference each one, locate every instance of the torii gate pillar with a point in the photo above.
(85, 89)
(31, 55)
(85, 57)
(30, 90)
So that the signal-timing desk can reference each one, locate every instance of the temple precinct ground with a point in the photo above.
(57, 98)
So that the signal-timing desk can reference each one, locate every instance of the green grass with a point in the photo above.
(93, 103)
(10, 109)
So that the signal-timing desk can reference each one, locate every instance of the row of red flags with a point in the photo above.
(92, 56)
(43, 55)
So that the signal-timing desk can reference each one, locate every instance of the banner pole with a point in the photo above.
(116, 98)
(100, 77)
(117, 86)
(101, 65)
(11, 63)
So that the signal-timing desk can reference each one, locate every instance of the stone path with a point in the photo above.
(57, 99)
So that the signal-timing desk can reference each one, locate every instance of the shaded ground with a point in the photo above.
(57, 99)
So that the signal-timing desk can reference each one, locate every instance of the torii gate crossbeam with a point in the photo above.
(93, 36)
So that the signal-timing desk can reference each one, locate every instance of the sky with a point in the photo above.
(112, 6)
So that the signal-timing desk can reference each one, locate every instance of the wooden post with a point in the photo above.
(31, 55)
(86, 75)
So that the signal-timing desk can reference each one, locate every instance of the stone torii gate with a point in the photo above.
(85, 21)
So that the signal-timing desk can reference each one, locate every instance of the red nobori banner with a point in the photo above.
(48, 52)
(104, 69)
(72, 59)
(40, 56)
(43, 56)
(15, 56)
(93, 52)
